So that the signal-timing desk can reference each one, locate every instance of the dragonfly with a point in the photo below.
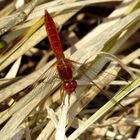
(64, 65)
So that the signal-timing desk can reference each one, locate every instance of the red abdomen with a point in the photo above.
(53, 36)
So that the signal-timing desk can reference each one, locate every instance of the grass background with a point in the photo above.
(87, 28)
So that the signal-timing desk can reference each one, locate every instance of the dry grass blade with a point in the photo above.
(29, 105)
(13, 71)
(19, 85)
(19, 17)
(110, 56)
(72, 5)
(24, 37)
(61, 128)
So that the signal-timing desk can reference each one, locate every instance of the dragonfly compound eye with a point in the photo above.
(70, 85)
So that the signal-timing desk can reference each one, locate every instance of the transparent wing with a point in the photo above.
(98, 79)
(41, 89)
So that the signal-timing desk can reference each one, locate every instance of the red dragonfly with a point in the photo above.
(64, 65)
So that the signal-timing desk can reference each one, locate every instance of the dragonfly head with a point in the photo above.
(70, 85)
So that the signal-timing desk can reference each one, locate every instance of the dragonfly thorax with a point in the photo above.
(70, 85)
(64, 69)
